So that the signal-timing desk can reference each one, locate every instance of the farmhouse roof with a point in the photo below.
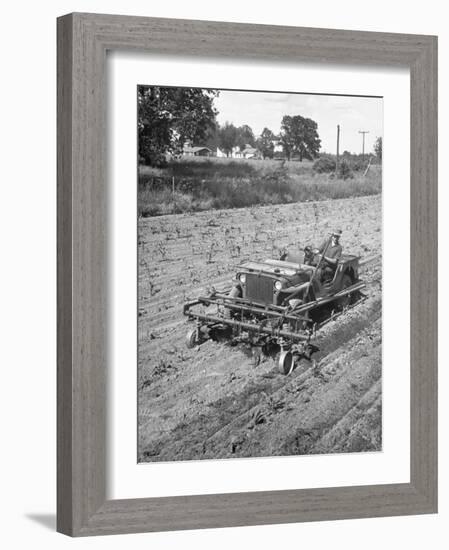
(196, 149)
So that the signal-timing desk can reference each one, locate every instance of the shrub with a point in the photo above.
(324, 165)
(344, 170)
(358, 165)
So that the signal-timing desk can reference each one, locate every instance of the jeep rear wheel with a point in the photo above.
(345, 300)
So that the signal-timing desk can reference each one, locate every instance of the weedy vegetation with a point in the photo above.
(197, 184)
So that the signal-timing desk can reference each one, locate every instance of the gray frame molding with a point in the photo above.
(83, 40)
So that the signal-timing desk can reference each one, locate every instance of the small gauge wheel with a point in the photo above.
(192, 338)
(286, 362)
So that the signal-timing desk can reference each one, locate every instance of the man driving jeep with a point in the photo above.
(332, 253)
(328, 265)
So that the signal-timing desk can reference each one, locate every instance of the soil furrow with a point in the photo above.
(211, 402)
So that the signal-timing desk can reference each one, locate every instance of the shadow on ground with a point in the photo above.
(46, 520)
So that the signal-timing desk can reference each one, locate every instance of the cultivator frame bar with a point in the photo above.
(267, 326)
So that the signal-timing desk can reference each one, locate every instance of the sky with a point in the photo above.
(266, 109)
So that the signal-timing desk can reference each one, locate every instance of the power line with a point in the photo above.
(363, 132)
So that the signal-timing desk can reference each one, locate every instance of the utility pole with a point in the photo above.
(338, 148)
(363, 132)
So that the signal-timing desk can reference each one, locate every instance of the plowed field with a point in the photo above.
(210, 402)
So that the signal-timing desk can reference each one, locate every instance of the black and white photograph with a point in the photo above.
(220, 306)
(259, 273)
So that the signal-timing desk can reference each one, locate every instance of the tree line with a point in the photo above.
(168, 118)
(298, 138)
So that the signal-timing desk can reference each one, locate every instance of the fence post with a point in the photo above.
(367, 168)
(173, 186)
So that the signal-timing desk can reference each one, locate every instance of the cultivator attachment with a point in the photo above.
(268, 329)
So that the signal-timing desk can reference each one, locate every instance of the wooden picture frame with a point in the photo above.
(83, 40)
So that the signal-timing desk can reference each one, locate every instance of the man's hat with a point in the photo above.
(337, 233)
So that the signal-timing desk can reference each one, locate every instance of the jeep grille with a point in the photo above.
(259, 288)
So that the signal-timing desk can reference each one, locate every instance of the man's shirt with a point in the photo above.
(332, 251)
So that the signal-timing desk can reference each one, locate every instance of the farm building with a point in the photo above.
(197, 151)
(247, 153)
(277, 146)
(234, 154)
(250, 153)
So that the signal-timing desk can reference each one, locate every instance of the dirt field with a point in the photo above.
(210, 402)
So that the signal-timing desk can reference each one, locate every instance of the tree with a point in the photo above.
(265, 143)
(299, 136)
(227, 137)
(212, 138)
(168, 117)
(378, 148)
(245, 136)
